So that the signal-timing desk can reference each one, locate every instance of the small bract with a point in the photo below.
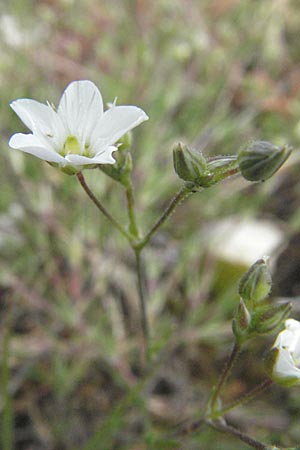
(79, 133)
(287, 354)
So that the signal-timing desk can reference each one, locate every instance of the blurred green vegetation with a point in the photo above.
(212, 74)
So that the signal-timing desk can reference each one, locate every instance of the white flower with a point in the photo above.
(287, 360)
(243, 240)
(78, 133)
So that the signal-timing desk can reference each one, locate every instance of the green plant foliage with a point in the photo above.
(213, 75)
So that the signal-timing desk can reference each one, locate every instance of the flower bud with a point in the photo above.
(268, 318)
(259, 160)
(241, 322)
(189, 164)
(255, 284)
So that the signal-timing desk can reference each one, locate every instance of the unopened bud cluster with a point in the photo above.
(257, 161)
(256, 313)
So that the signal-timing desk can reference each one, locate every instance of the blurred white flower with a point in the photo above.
(287, 360)
(78, 133)
(10, 30)
(243, 240)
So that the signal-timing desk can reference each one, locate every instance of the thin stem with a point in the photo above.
(179, 197)
(101, 207)
(221, 426)
(247, 397)
(142, 300)
(133, 228)
(224, 375)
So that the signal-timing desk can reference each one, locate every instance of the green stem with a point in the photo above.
(133, 228)
(223, 378)
(142, 300)
(221, 426)
(179, 197)
(101, 208)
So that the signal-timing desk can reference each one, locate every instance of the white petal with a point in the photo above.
(31, 144)
(37, 116)
(284, 339)
(101, 158)
(115, 122)
(290, 338)
(285, 366)
(81, 108)
(292, 324)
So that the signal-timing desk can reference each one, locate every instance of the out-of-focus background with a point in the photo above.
(213, 74)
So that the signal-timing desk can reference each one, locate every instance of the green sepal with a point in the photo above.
(268, 317)
(189, 164)
(192, 167)
(241, 323)
(71, 170)
(121, 170)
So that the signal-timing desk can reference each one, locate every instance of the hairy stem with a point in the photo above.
(101, 208)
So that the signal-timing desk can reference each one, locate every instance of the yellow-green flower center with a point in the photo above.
(71, 146)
